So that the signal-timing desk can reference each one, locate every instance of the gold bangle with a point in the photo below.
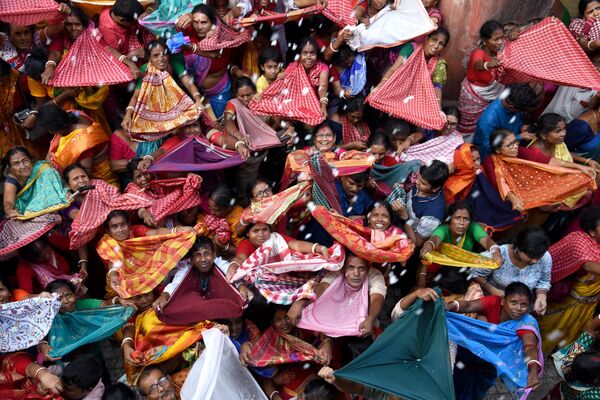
(586, 161)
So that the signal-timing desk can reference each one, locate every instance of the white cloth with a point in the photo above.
(566, 102)
(218, 374)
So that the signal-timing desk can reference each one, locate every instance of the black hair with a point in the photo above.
(518, 288)
(223, 196)
(246, 198)
(356, 103)
(132, 166)
(441, 31)
(546, 124)
(80, 15)
(252, 225)
(360, 177)
(156, 43)
(56, 284)
(532, 241)
(344, 53)
(460, 205)
(452, 110)
(582, 6)
(497, 137)
(397, 127)
(35, 64)
(129, 10)
(323, 124)
(72, 167)
(52, 118)
(435, 174)
(269, 54)
(83, 372)
(31, 251)
(488, 28)
(16, 150)
(379, 138)
(116, 213)
(522, 97)
(590, 218)
(244, 81)
(206, 10)
(202, 241)
(118, 391)
(585, 368)
(318, 389)
(274, 307)
(309, 40)
(4, 68)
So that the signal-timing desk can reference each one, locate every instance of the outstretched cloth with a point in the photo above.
(339, 311)
(324, 191)
(260, 135)
(218, 374)
(74, 329)
(29, 12)
(169, 196)
(389, 178)
(459, 183)
(96, 206)
(571, 252)
(15, 234)
(293, 97)
(189, 305)
(453, 256)
(223, 37)
(88, 63)
(409, 95)
(43, 193)
(499, 345)
(25, 323)
(396, 247)
(440, 148)
(277, 18)
(196, 154)
(340, 12)
(47, 273)
(410, 359)
(270, 270)
(162, 20)
(142, 263)
(271, 209)
(274, 348)
(538, 184)
(563, 64)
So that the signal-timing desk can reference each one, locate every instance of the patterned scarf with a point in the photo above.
(275, 347)
(352, 133)
(571, 253)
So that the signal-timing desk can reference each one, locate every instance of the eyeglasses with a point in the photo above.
(23, 162)
(512, 144)
(264, 193)
(324, 135)
(162, 382)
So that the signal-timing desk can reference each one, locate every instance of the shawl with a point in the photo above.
(403, 175)
(143, 262)
(339, 311)
(497, 344)
(410, 359)
(188, 305)
(196, 154)
(355, 77)
(454, 256)
(169, 196)
(409, 94)
(161, 107)
(274, 347)
(96, 206)
(88, 63)
(440, 148)
(571, 252)
(16, 234)
(214, 227)
(273, 18)
(395, 247)
(223, 37)
(324, 191)
(353, 133)
(538, 184)
(261, 136)
(460, 182)
(66, 149)
(43, 193)
(46, 274)
(269, 270)
(564, 63)
(161, 21)
(588, 29)
(271, 209)
(218, 374)
(25, 323)
(292, 97)
(29, 12)
(340, 12)
(74, 329)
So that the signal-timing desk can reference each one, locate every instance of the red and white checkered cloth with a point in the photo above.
(88, 63)
(224, 38)
(563, 63)
(340, 12)
(408, 94)
(28, 12)
(293, 97)
(587, 29)
(15, 234)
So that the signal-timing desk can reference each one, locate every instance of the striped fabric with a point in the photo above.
(274, 348)
(271, 209)
(564, 63)
(224, 38)
(277, 18)
(88, 63)
(589, 30)
(408, 94)
(324, 192)
(16, 234)
(28, 12)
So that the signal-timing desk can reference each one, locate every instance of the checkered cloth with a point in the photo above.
(224, 38)
(564, 63)
(277, 18)
(293, 97)
(587, 29)
(340, 12)
(440, 148)
(324, 192)
(16, 234)
(408, 94)
(271, 209)
(28, 12)
(88, 63)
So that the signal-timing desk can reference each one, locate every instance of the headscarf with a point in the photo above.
(458, 185)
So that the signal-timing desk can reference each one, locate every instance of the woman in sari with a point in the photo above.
(576, 275)
(23, 378)
(349, 125)
(585, 28)
(31, 188)
(479, 87)
(12, 100)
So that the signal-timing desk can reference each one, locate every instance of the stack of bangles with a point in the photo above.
(36, 376)
(127, 339)
(534, 362)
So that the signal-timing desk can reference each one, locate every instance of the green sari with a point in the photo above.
(43, 193)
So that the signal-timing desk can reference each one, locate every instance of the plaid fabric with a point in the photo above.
(96, 206)
(88, 63)
(408, 94)
(274, 348)
(260, 135)
(269, 270)
(453, 256)
(293, 97)
(16, 234)
(214, 227)
(271, 209)
(28, 12)
(169, 196)
(143, 262)
(340, 12)
(440, 148)
(571, 252)
(277, 18)
(225, 38)
(323, 191)
(589, 30)
(351, 133)
(564, 63)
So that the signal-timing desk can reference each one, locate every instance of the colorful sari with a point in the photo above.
(563, 361)
(460, 182)
(271, 209)
(353, 133)
(14, 383)
(402, 175)
(143, 262)
(472, 100)
(454, 256)
(16, 234)
(10, 132)
(43, 193)
(275, 347)
(440, 148)
(220, 93)
(260, 135)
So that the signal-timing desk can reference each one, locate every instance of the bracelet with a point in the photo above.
(494, 247)
(35, 377)
(534, 362)
(81, 262)
(236, 263)
(122, 58)
(114, 301)
(588, 45)
(586, 161)
(125, 340)
(273, 393)
(430, 241)
(226, 247)
(238, 143)
(132, 108)
(485, 66)
(196, 94)
(313, 247)
(174, 229)
(422, 273)
(50, 62)
(332, 49)
(242, 223)
(194, 47)
(324, 100)
(148, 156)
(457, 305)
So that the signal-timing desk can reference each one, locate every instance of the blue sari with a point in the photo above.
(43, 193)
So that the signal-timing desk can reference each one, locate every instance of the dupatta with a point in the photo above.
(43, 193)
(571, 252)
(261, 136)
(460, 182)
(275, 347)
(223, 37)
(271, 209)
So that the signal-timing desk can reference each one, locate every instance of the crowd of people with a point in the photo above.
(279, 200)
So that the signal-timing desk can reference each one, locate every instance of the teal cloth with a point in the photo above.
(46, 191)
(410, 359)
(161, 22)
(390, 178)
(147, 148)
(72, 330)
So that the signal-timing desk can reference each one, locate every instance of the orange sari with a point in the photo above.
(459, 184)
